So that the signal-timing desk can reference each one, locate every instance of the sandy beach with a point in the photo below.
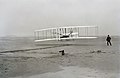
(83, 59)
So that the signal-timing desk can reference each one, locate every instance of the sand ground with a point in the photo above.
(80, 61)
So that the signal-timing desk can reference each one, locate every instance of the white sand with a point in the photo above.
(80, 61)
(73, 72)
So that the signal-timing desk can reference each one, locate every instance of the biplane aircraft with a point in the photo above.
(63, 33)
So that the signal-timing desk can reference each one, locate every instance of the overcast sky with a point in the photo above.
(22, 17)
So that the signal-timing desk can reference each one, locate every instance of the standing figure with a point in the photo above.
(108, 39)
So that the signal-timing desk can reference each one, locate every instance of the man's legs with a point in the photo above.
(110, 43)
(107, 43)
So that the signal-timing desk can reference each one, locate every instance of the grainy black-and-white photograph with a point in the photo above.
(59, 39)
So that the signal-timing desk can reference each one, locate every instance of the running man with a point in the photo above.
(108, 39)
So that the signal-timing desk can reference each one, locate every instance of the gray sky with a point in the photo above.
(22, 17)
